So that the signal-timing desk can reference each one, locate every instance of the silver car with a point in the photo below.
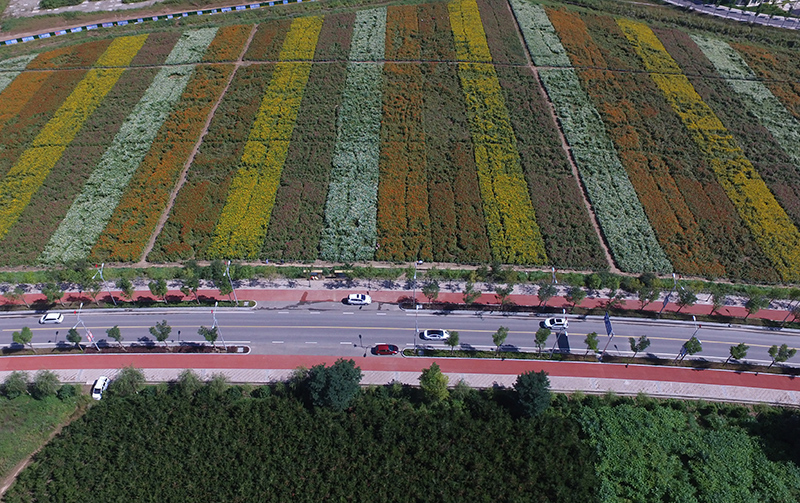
(435, 334)
(51, 318)
(359, 299)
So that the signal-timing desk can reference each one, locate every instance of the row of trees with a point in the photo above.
(45, 384)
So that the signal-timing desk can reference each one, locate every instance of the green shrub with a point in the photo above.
(16, 384)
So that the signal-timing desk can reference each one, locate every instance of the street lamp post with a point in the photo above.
(100, 271)
(214, 315)
(228, 274)
(416, 311)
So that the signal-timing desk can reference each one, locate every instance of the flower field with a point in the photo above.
(407, 132)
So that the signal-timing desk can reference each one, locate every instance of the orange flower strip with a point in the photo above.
(771, 226)
(228, 44)
(27, 175)
(147, 194)
(243, 223)
(76, 56)
(648, 169)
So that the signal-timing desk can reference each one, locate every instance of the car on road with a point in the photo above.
(386, 349)
(435, 334)
(99, 386)
(359, 299)
(51, 318)
(555, 323)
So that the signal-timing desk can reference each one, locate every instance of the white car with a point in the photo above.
(436, 334)
(51, 318)
(359, 299)
(555, 323)
(99, 386)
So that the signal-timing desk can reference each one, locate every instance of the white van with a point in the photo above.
(99, 386)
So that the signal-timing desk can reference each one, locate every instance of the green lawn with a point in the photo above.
(25, 424)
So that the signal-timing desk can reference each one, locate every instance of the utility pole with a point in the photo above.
(228, 274)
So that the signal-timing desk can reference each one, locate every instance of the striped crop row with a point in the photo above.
(514, 236)
(771, 227)
(89, 214)
(350, 213)
(622, 219)
(243, 223)
(11, 68)
(27, 175)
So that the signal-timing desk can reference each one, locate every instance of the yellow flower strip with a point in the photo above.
(243, 223)
(771, 227)
(33, 166)
(468, 33)
(514, 235)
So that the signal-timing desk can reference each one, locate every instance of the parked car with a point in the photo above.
(555, 323)
(359, 299)
(386, 349)
(435, 334)
(99, 386)
(51, 318)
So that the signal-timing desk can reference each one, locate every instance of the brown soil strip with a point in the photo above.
(182, 178)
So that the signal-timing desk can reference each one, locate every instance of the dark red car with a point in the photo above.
(386, 349)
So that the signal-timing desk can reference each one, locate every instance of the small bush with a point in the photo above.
(16, 384)
(55, 4)
(45, 384)
(67, 391)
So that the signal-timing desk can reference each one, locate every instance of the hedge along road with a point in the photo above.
(334, 329)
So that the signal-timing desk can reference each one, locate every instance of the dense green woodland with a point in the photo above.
(270, 444)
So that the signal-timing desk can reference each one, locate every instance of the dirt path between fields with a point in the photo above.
(564, 145)
(182, 178)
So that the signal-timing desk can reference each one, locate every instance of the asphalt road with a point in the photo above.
(331, 328)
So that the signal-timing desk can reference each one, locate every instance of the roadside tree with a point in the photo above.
(115, 333)
(336, 386)
(128, 381)
(434, 383)
(24, 337)
(453, 341)
(686, 297)
(541, 337)
(45, 384)
(738, 352)
(161, 332)
(470, 294)
(499, 337)
(545, 293)
(126, 287)
(591, 342)
(159, 289)
(575, 296)
(431, 290)
(780, 354)
(75, 337)
(15, 384)
(209, 334)
(533, 392)
(640, 345)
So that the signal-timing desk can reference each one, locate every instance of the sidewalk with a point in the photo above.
(663, 382)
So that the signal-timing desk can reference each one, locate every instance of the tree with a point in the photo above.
(575, 296)
(335, 386)
(541, 337)
(161, 331)
(126, 287)
(45, 384)
(738, 352)
(755, 302)
(115, 333)
(15, 384)
(224, 287)
(452, 341)
(434, 383)
(159, 289)
(718, 298)
(209, 334)
(691, 347)
(190, 284)
(53, 293)
(24, 337)
(128, 381)
(533, 392)
(188, 383)
(647, 295)
(545, 293)
(431, 290)
(593, 282)
(470, 294)
(499, 337)
(640, 345)
(502, 293)
(74, 337)
(780, 354)
(686, 297)
(591, 343)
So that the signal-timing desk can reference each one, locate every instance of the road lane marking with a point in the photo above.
(381, 314)
(311, 342)
(277, 342)
(348, 313)
(345, 342)
(283, 312)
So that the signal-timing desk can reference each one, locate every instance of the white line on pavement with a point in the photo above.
(277, 342)
(345, 342)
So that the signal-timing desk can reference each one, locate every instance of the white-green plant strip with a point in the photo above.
(11, 68)
(627, 230)
(758, 99)
(91, 210)
(351, 210)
